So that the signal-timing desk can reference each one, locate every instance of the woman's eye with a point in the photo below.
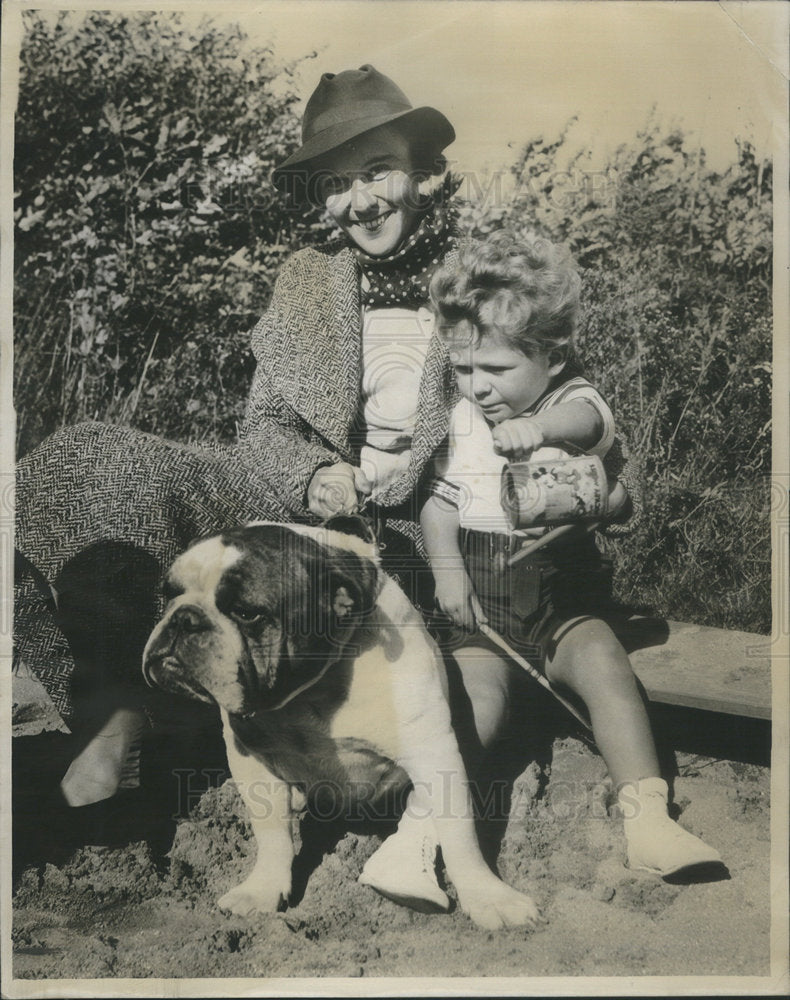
(374, 172)
(463, 370)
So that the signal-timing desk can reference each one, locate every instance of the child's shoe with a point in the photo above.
(404, 868)
(655, 842)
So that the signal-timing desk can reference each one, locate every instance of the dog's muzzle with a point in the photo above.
(166, 660)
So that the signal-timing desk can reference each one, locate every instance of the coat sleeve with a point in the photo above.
(620, 464)
(274, 437)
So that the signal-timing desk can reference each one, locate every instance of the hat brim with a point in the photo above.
(429, 122)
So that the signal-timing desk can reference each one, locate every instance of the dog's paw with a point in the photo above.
(254, 895)
(496, 905)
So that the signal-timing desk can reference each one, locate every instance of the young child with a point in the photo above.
(507, 311)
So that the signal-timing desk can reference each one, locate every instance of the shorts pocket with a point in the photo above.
(526, 585)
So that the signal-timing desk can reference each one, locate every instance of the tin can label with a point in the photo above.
(555, 491)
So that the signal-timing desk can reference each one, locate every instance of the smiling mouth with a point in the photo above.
(372, 225)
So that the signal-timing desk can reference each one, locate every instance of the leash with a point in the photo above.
(496, 638)
(550, 536)
(374, 519)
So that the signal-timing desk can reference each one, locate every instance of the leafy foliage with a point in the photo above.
(147, 234)
(148, 238)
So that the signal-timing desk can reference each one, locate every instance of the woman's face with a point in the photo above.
(369, 187)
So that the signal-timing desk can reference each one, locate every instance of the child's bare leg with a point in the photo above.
(590, 661)
(485, 678)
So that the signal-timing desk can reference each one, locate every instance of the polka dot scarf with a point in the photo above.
(402, 279)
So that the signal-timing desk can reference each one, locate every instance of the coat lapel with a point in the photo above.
(436, 399)
(346, 325)
(438, 395)
(327, 353)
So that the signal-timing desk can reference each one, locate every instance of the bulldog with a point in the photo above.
(326, 679)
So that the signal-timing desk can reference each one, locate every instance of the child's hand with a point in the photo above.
(517, 438)
(456, 597)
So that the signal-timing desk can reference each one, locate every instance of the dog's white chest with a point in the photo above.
(395, 699)
(369, 713)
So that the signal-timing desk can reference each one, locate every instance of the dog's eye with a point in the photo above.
(170, 591)
(246, 616)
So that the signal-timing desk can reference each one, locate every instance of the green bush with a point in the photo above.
(148, 238)
(147, 234)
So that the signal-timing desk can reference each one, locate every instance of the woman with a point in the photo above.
(350, 398)
(349, 385)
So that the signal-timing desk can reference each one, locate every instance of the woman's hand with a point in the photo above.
(455, 595)
(517, 438)
(335, 489)
(618, 497)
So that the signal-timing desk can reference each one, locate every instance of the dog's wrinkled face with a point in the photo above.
(259, 613)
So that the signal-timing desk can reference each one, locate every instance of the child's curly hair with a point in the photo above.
(525, 288)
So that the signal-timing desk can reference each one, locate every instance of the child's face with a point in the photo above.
(497, 377)
(369, 188)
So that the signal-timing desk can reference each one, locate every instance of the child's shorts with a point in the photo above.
(527, 603)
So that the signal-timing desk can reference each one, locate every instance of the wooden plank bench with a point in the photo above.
(715, 669)
(693, 666)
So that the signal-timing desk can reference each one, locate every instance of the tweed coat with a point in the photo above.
(101, 512)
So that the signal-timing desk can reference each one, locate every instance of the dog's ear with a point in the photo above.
(327, 593)
(352, 586)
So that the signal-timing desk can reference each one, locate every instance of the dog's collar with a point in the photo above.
(291, 694)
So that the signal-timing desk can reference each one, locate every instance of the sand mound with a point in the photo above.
(127, 911)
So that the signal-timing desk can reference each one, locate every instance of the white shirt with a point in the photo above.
(394, 346)
(475, 469)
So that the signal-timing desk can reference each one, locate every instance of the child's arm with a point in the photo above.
(454, 592)
(577, 422)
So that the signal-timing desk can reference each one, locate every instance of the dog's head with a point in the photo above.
(259, 613)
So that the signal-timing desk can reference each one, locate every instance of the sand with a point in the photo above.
(128, 889)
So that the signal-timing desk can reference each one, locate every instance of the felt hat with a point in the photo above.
(345, 105)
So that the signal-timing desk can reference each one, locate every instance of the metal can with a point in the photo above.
(554, 491)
